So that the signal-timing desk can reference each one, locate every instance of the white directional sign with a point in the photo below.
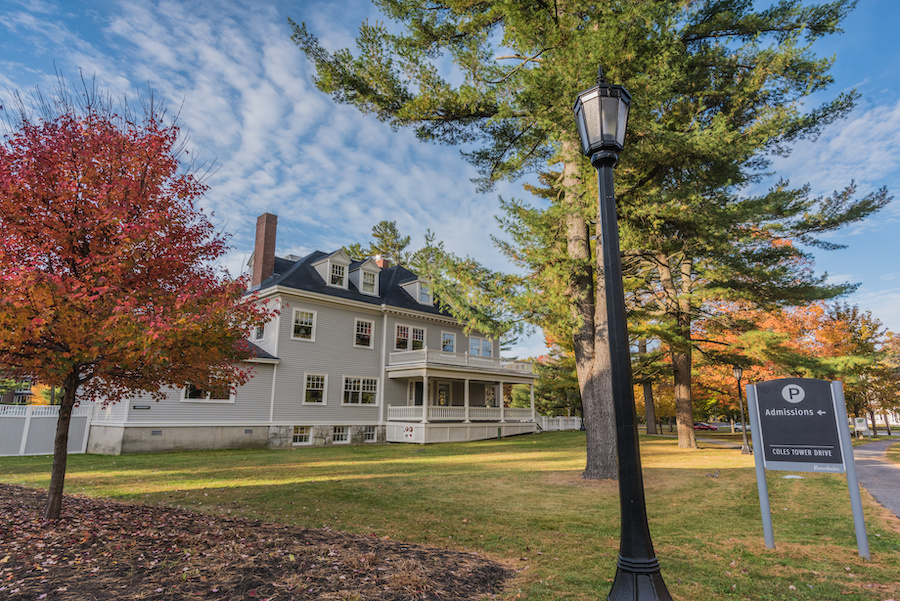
(798, 428)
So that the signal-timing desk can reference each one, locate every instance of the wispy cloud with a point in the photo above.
(247, 100)
(864, 148)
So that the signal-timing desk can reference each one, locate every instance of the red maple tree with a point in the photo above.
(107, 287)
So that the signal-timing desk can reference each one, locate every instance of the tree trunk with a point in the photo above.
(587, 298)
(872, 419)
(649, 412)
(678, 307)
(61, 449)
(684, 409)
(602, 464)
(887, 422)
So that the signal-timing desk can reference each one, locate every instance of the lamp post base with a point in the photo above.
(638, 581)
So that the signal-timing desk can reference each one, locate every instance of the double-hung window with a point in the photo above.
(304, 325)
(360, 391)
(364, 330)
(301, 435)
(480, 347)
(338, 275)
(490, 396)
(409, 338)
(448, 342)
(340, 434)
(314, 389)
(368, 283)
(424, 294)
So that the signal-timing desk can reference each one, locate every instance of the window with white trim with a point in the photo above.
(443, 394)
(304, 325)
(490, 396)
(369, 434)
(302, 435)
(360, 391)
(340, 434)
(409, 338)
(314, 389)
(364, 333)
(195, 394)
(260, 333)
(448, 342)
(480, 347)
(369, 283)
(424, 294)
(338, 275)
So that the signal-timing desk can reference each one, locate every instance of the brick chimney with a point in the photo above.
(381, 261)
(264, 251)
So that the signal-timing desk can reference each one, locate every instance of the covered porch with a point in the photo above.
(456, 397)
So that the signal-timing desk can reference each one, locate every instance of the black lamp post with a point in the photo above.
(738, 372)
(602, 114)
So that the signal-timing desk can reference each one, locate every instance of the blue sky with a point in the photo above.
(330, 173)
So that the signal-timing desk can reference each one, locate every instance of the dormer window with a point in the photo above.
(424, 294)
(334, 269)
(369, 283)
(364, 276)
(338, 275)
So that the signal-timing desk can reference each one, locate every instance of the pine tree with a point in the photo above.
(716, 86)
(386, 241)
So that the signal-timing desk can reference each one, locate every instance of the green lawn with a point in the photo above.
(521, 500)
(893, 453)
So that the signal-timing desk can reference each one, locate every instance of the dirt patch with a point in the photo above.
(573, 478)
(108, 550)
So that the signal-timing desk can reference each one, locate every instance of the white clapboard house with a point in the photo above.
(359, 353)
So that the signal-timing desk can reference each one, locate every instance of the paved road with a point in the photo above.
(878, 475)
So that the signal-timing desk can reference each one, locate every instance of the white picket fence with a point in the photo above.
(552, 424)
(31, 429)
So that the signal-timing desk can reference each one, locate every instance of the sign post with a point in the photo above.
(801, 425)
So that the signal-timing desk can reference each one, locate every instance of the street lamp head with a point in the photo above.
(738, 372)
(601, 114)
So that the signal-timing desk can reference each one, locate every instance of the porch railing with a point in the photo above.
(429, 356)
(457, 414)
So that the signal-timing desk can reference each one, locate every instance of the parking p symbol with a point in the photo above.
(793, 393)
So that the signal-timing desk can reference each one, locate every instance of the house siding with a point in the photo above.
(250, 406)
(331, 354)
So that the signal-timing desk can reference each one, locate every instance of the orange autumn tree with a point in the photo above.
(106, 281)
(802, 341)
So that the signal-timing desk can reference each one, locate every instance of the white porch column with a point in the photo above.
(424, 399)
(502, 407)
(533, 413)
(466, 397)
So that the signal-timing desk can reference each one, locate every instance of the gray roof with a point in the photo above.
(301, 275)
(253, 350)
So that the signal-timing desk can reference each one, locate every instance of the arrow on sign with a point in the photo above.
(820, 412)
